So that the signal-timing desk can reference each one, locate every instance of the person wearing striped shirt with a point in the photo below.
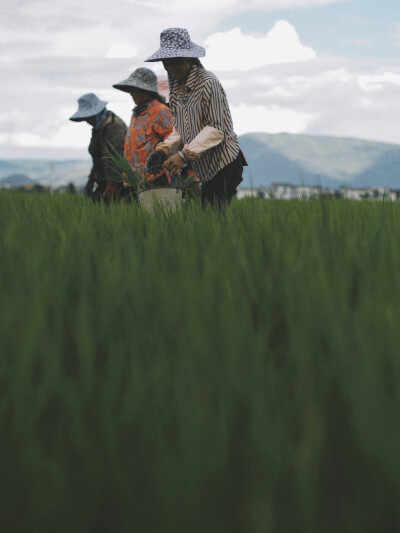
(203, 131)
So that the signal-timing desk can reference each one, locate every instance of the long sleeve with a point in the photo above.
(206, 139)
(171, 144)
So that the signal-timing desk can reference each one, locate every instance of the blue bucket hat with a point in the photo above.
(141, 78)
(175, 42)
(88, 106)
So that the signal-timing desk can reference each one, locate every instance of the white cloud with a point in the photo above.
(27, 139)
(83, 43)
(379, 81)
(322, 97)
(212, 6)
(229, 83)
(56, 51)
(233, 50)
(194, 6)
(263, 79)
(273, 119)
(71, 135)
(68, 136)
(284, 4)
(122, 51)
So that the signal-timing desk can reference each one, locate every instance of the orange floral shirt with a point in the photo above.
(148, 127)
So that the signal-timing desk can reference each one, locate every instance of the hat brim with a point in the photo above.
(127, 87)
(79, 119)
(169, 53)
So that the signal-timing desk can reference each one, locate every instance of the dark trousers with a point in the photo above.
(219, 191)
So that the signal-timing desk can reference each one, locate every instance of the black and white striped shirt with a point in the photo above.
(204, 104)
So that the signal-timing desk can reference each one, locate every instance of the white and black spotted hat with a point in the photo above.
(88, 106)
(175, 42)
(141, 78)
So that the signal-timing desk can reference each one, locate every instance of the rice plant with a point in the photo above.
(199, 372)
(134, 177)
(137, 178)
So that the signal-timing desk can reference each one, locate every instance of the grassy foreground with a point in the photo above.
(199, 374)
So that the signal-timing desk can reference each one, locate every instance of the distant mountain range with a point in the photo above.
(316, 160)
(51, 173)
(17, 180)
(280, 158)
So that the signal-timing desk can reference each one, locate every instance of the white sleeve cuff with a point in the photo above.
(206, 139)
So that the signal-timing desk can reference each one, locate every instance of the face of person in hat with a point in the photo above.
(91, 120)
(139, 96)
(178, 67)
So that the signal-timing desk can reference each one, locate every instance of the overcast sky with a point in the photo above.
(325, 67)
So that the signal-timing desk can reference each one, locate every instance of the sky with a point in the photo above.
(316, 67)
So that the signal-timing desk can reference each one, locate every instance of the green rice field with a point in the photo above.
(198, 373)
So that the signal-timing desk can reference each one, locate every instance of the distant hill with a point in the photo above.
(325, 161)
(17, 180)
(282, 158)
(53, 173)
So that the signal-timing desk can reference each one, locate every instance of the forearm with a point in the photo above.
(171, 144)
(206, 139)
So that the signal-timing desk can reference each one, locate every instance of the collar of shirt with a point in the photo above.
(141, 108)
(100, 118)
(190, 83)
(192, 78)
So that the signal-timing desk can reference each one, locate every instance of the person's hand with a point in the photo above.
(174, 164)
(155, 162)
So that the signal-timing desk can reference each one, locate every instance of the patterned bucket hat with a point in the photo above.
(141, 78)
(88, 106)
(175, 42)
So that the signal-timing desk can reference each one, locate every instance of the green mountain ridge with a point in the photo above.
(318, 160)
(17, 180)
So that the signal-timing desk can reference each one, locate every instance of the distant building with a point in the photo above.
(371, 193)
(288, 191)
(246, 193)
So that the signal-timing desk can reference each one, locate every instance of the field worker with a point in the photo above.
(151, 120)
(107, 129)
(203, 131)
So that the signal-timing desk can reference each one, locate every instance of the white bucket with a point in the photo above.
(169, 198)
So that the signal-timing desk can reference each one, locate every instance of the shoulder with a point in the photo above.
(211, 80)
(205, 76)
(161, 110)
(117, 120)
(113, 121)
(159, 106)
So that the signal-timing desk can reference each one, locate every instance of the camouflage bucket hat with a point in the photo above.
(88, 106)
(141, 78)
(175, 42)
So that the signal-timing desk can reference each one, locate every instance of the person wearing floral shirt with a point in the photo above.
(151, 121)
